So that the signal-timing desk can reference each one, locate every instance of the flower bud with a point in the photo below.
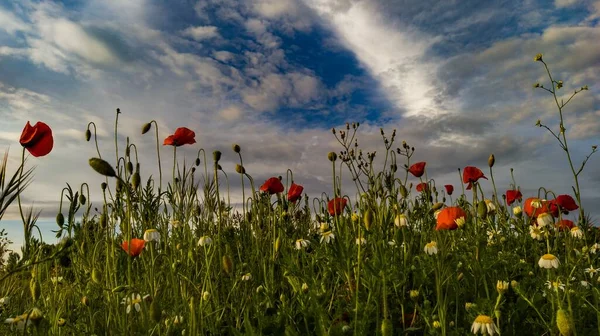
(88, 135)
(155, 311)
(332, 156)
(403, 191)
(537, 57)
(482, 209)
(82, 199)
(277, 244)
(197, 162)
(386, 328)
(60, 219)
(96, 276)
(146, 128)
(217, 156)
(103, 186)
(135, 180)
(491, 160)
(227, 264)
(368, 219)
(236, 148)
(240, 169)
(102, 167)
(563, 322)
(130, 167)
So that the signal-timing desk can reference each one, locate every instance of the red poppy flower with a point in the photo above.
(512, 196)
(272, 186)
(295, 192)
(471, 175)
(531, 210)
(182, 136)
(137, 245)
(421, 187)
(565, 225)
(418, 169)
(449, 189)
(37, 139)
(564, 203)
(446, 219)
(336, 206)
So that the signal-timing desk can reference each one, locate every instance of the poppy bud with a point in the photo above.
(217, 156)
(240, 169)
(236, 148)
(277, 244)
(155, 311)
(482, 209)
(82, 199)
(102, 167)
(537, 58)
(135, 180)
(103, 186)
(60, 219)
(197, 162)
(103, 220)
(332, 156)
(386, 328)
(227, 264)
(491, 160)
(129, 167)
(563, 322)
(403, 191)
(368, 219)
(96, 276)
(35, 288)
(119, 186)
(88, 135)
(146, 128)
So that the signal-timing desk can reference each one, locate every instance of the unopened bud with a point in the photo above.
(135, 180)
(102, 167)
(35, 288)
(491, 160)
(217, 156)
(537, 57)
(236, 148)
(240, 169)
(482, 209)
(227, 264)
(88, 135)
(368, 219)
(332, 156)
(146, 128)
(60, 219)
(403, 191)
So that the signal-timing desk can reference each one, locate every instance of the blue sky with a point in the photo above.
(454, 78)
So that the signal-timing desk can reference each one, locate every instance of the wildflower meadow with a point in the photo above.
(166, 252)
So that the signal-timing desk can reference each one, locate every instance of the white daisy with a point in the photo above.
(301, 243)
(431, 248)
(576, 232)
(204, 241)
(485, 325)
(327, 237)
(548, 261)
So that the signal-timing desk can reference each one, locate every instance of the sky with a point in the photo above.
(454, 78)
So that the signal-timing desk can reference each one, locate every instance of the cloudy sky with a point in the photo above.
(455, 78)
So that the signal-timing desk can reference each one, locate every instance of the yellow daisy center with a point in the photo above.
(484, 319)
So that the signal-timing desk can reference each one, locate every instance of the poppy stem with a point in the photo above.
(26, 229)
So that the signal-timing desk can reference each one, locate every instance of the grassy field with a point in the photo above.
(403, 256)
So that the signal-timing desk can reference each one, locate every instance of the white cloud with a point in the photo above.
(201, 33)
(11, 23)
(564, 3)
(231, 113)
(393, 55)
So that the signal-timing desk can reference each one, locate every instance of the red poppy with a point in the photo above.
(449, 189)
(565, 225)
(336, 206)
(446, 219)
(182, 136)
(421, 187)
(137, 245)
(532, 211)
(471, 175)
(272, 186)
(418, 169)
(512, 196)
(564, 203)
(37, 139)
(295, 192)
